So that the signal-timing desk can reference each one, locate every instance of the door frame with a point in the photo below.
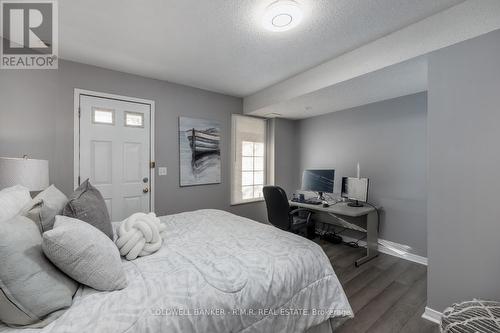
(76, 138)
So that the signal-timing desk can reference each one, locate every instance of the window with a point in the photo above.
(252, 169)
(103, 116)
(248, 159)
(134, 119)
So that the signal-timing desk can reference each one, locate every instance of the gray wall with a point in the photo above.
(464, 164)
(389, 140)
(286, 154)
(36, 118)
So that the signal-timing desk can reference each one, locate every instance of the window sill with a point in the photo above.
(247, 202)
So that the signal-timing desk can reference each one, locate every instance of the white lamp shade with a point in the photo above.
(33, 174)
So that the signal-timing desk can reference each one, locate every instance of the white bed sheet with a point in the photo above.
(216, 272)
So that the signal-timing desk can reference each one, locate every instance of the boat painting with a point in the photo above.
(199, 147)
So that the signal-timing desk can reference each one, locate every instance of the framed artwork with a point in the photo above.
(199, 148)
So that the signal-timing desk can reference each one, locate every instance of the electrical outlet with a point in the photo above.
(162, 171)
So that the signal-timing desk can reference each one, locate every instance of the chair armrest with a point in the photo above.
(298, 210)
(309, 221)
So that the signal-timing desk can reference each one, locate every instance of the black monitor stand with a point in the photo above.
(355, 204)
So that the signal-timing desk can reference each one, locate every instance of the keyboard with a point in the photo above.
(312, 202)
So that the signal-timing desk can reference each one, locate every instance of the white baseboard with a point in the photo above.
(432, 315)
(393, 249)
(400, 250)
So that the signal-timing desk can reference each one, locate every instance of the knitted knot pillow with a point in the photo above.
(472, 316)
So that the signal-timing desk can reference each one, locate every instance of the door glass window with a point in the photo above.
(134, 119)
(103, 116)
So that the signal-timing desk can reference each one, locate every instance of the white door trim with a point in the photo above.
(76, 131)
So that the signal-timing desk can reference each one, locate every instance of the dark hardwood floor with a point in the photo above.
(387, 294)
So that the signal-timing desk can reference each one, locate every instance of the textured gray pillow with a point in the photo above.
(85, 254)
(31, 287)
(87, 204)
(47, 205)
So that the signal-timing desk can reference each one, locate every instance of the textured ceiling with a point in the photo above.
(402, 79)
(220, 45)
(382, 69)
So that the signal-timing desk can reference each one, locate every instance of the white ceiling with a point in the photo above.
(388, 67)
(402, 79)
(220, 45)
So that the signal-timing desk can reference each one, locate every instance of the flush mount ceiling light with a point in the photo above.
(282, 15)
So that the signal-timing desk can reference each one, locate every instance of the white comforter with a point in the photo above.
(216, 272)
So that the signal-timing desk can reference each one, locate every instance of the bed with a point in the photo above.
(216, 272)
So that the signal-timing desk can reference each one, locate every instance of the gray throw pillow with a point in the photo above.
(31, 288)
(46, 206)
(87, 204)
(85, 254)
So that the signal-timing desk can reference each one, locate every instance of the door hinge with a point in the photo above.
(78, 180)
(79, 112)
(152, 165)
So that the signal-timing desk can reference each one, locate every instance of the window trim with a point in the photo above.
(248, 201)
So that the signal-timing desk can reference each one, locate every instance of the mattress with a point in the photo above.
(215, 272)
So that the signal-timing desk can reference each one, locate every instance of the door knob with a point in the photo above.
(145, 190)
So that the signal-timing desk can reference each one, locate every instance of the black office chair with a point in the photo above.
(282, 216)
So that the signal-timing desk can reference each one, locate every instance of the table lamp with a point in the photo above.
(30, 173)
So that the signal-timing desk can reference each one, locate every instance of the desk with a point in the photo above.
(340, 211)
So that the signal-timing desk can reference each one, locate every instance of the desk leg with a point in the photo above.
(371, 239)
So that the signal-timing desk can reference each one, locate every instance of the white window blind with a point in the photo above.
(248, 159)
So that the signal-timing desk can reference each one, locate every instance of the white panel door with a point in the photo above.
(115, 153)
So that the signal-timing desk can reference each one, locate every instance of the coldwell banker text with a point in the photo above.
(29, 34)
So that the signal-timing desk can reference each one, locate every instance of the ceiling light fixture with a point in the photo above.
(282, 15)
(273, 115)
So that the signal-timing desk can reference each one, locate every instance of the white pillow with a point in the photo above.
(12, 201)
(30, 286)
(46, 205)
(84, 253)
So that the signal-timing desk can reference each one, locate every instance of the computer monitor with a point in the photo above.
(320, 181)
(355, 189)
